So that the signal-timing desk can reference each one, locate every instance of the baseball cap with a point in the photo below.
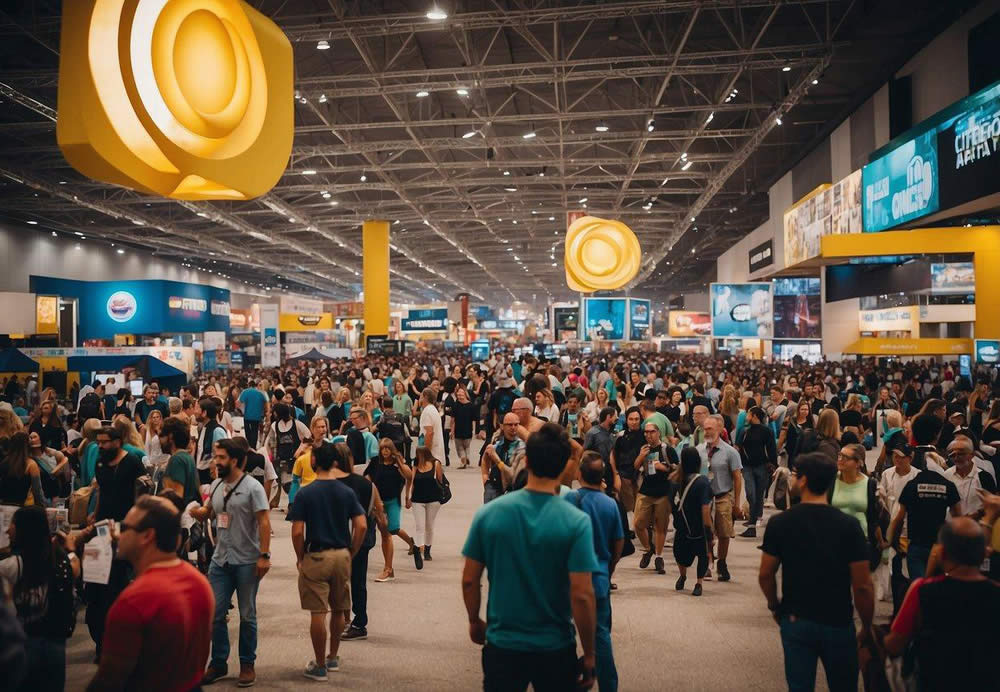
(897, 443)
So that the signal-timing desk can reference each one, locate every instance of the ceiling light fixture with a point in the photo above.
(786, 68)
(120, 251)
(511, 189)
(602, 128)
(54, 234)
(323, 45)
(462, 91)
(506, 172)
(322, 98)
(309, 171)
(470, 134)
(778, 120)
(650, 125)
(33, 223)
(528, 135)
(583, 200)
(711, 117)
(334, 202)
(665, 181)
(78, 233)
(552, 218)
(436, 13)
(686, 165)
(364, 178)
(422, 93)
(815, 81)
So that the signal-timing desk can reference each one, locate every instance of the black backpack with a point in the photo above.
(391, 428)
(90, 407)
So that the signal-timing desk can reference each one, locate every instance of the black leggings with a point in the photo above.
(686, 549)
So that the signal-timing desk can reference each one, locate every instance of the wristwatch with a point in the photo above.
(266, 556)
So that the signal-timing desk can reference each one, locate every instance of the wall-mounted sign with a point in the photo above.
(684, 323)
(219, 308)
(901, 185)
(426, 320)
(270, 342)
(952, 277)
(761, 256)
(638, 319)
(987, 351)
(967, 144)
(742, 310)
(46, 314)
(903, 319)
(797, 308)
(122, 306)
(500, 325)
(604, 319)
(827, 210)
(187, 304)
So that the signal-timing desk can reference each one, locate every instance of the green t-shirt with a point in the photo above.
(181, 469)
(663, 423)
(530, 542)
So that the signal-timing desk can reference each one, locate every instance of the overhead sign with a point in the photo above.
(604, 319)
(351, 308)
(270, 341)
(950, 277)
(901, 185)
(565, 319)
(742, 310)
(797, 308)
(684, 323)
(122, 306)
(967, 143)
(426, 320)
(500, 325)
(301, 306)
(761, 256)
(902, 319)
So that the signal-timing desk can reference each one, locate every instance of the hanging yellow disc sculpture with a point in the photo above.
(601, 255)
(190, 99)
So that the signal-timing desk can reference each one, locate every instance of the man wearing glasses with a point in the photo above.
(498, 458)
(653, 464)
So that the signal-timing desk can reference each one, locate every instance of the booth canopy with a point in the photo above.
(12, 360)
(150, 367)
(311, 354)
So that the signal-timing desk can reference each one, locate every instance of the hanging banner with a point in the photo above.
(270, 339)
(901, 319)
(46, 314)
(742, 310)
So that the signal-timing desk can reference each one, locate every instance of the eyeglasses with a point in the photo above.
(123, 527)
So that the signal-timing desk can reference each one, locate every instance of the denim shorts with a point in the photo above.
(392, 513)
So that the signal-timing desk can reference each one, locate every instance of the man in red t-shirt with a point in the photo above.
(158, 630)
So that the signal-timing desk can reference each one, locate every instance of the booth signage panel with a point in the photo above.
(684, 323)
(902, 185)
(604, 319)
(426, 320)
(46, 314)
(270, 341)
(903, 319)
(967, 146)
(951, 277)
(742, 310)
(797, 309)
(761, 256)
(301, 306)
(638, 319)
(987, 351)
(828, 210)
(299, 322)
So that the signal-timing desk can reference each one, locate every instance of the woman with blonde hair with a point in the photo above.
(391, 476)
(154, 424)
(593, 408)
(424, 498)
(729, 406)
(850, 418)
(10, 423)
(131, 439)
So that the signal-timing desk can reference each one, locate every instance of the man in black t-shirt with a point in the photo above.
(923, 503)
(823, 557)
(116, 473)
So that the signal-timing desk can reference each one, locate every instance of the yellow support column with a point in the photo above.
(375, 276)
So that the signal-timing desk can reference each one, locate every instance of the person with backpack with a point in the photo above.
(41, 575)
(692, 519)
(393, 426)
(500, 404)
(283, 441)
(92, 405)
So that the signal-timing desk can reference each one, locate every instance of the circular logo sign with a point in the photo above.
(121, 306)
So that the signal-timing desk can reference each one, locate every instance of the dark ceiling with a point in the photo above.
(661, 113)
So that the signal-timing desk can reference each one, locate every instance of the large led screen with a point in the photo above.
(604, 319)
(797, 307)
(742, 310)
(684, 323)
(902, 185)
(638, 319)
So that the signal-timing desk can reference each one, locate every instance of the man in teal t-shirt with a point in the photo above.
(179, 473)
(538, 551)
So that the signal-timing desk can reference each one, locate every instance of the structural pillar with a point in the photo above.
(465, 317)
(375, 277)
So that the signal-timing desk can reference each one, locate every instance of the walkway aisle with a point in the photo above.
(418, 638)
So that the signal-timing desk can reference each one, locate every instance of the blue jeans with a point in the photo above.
(607, 674)
(804, 641)
(755, 480)
(225, 579)
(916, 560)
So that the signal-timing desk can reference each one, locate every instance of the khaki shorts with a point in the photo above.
(723, 513)
(628, 493)
(655, 509)
(325, 581)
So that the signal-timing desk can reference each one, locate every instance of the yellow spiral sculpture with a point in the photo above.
(190, 99)
(601, 255)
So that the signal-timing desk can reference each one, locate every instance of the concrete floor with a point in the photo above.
(663, 639)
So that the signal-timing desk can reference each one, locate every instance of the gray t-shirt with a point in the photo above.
(719, 465)
(239, 544)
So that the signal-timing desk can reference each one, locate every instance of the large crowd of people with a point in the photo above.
(869, 480)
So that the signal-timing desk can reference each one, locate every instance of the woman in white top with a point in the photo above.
(154, 424)
(593, 409)
(545, 406)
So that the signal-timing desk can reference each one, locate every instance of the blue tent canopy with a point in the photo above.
(12, 360)
(147, 365)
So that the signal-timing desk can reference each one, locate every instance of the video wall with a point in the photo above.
(947, 160)
(953, 277)
(638, 319)
(833, 210)
(604, 319)
(797, 308)
(742, 310)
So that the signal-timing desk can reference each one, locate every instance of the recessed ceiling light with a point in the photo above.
(323, 45)
(291, 220)
(686, 165)
(528, 135)
(33, 223)
(692, 219)
(506, 172)
(786, 68)
(334, 202)
(422, 93)
(78, 233)
(322, 98)
(62, 182)
(552, 218)
(815, 81)
(583, 200)
(515, 222)
(462, 92)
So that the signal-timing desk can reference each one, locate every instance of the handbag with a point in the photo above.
(445, 487)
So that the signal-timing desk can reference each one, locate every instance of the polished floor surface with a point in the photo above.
(663, 639)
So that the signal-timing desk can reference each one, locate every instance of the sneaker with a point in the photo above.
(644, 560)
(679, 584)
(214, 674)
(353, 632)
(751, 532)
(248, 676)
(418, 559)
(315, 671)
(696, 591)
(387, 575)
(723, 570)
(333, 664)
(658, 562)
(427, 553)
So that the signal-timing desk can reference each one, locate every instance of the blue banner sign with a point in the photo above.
(901, 185)
(428, 320)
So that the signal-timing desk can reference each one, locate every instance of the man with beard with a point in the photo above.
(823, 557)
(241, 558)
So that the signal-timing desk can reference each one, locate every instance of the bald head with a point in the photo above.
(509, 425)
(963, 543)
